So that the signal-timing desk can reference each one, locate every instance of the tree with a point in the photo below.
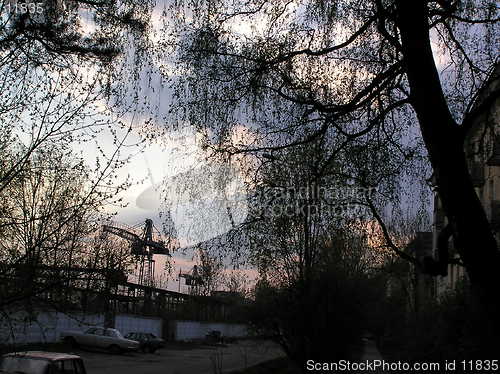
(209, 272)
(57, 63)
(353, 69)
(314, 260)
(236, 282)
(297, 207)
(324, 320)
(48, 211)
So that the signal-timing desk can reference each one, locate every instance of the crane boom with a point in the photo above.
(143, 247)
(121, 233)
(138, 244)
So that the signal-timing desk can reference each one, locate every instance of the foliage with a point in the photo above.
(57, 63)
(322, 320)
(361, 75)
(449, 329)
(295, 70)
(49, 211)
(56, 69)
(209, 271)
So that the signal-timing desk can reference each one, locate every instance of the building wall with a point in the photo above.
(128, 323)
(16, 328)
(194, 330)
(479, 147)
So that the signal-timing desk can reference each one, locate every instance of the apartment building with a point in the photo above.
(482, 147)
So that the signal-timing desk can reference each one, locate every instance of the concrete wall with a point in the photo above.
(128, 323)
(16, 328)
(193, 330)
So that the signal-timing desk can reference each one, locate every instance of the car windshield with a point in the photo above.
(24, 364)
(113, 333)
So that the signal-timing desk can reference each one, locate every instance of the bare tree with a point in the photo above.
(57, 63)
(48, 212)
(353, 70)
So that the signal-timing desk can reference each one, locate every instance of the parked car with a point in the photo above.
(38, 362)
(214, 336)
(148, 342)
(98, 337)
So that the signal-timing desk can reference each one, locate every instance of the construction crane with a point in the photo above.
(143, 247)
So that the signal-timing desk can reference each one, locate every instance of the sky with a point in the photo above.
(198, 194)
(172, 157)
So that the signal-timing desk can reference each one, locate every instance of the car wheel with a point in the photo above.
(114, 349)
(152, 349)
(71, 341)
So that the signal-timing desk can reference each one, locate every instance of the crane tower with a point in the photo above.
(143, 247)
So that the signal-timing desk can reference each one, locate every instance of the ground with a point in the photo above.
(243, 357)
(179, 359)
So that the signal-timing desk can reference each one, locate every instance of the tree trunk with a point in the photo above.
(444, 142)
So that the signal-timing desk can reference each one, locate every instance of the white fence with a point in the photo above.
(193, 330)
(17, 328)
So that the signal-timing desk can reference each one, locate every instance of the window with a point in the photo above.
(113, 333)
(67, 367)
(99, 332)
(79, 369)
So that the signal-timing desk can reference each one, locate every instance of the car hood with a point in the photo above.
(130, 341)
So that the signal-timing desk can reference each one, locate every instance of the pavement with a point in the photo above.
(198, 360)
(370, 354)
(370, 351)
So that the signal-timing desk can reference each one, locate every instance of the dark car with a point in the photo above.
(147, 342)
(214, 336)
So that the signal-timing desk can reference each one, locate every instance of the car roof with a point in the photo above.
(51, 356)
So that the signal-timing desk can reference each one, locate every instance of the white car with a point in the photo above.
(38, 362)
(98, 337)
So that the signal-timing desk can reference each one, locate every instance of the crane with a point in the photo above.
(143, 247)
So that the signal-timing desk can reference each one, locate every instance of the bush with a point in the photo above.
(450, 329)
(321, 320)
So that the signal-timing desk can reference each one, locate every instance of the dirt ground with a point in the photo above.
(195, 359)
